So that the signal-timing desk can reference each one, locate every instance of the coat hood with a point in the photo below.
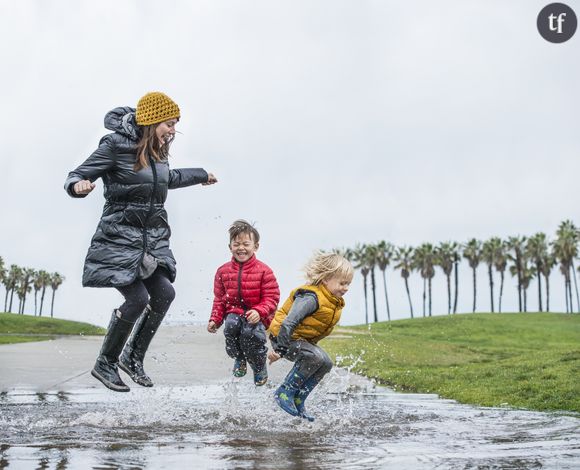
(122, 120)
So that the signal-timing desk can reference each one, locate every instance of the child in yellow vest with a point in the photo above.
(308, 315)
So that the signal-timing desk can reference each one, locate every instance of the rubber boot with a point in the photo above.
(131, 360)
(105, 368)
(240, 367)
(301, 396)
(286, 393)
(260, 370)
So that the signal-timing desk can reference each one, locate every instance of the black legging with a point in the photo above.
(156, 291)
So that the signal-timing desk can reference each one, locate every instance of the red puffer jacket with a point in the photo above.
(241, 287)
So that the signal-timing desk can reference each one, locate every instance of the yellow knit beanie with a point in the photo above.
(156, 107)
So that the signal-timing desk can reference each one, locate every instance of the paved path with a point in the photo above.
(179, 355)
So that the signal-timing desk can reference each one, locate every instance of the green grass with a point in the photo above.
(24, 328)
(522, 360)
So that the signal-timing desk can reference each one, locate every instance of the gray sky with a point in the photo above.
(327, 123)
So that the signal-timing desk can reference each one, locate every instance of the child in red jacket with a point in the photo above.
(246, 295)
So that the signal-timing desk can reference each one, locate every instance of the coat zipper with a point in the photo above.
(154, 170)
(240, 288)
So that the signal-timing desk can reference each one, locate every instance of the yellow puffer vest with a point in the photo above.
(316, 326)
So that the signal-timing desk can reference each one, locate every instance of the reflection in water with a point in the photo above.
(235, 425)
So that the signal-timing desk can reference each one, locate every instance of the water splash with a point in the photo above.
(233, 424)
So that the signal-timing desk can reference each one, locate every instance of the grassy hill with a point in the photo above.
(22, 328)
(524, 360)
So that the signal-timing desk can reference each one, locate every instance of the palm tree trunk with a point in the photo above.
(540, 289)
(449, 295)
(42, 300)
(456, 286)
(6, 300)
(11, 297)
(547, 293)
(519, 284)
(366, 301)
(491, 286)
(386, 296)
(52, 304)
(570, 293)
(566, 295)
(474, 288)
(409, 296)
(501, 289)
(23, 303)
(525, 300)
(424, 290)
(373, 287)
(35, 302)
(429, 282)
(576, 286)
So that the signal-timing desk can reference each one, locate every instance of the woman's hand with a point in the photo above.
(212, 327)
(273, 356)
(211, 179)
(84, 187)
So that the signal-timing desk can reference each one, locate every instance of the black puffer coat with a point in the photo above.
(134, 220)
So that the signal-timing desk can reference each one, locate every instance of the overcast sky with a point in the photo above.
(326, 122)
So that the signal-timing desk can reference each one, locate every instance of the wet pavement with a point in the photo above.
(54, 415)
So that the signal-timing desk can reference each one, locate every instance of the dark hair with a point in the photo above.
(242, 226)
(148, 146)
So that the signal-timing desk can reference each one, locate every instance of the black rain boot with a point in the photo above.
(105, 368)
(131, 360)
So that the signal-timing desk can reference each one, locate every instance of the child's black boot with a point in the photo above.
(260, 371)
(240, 367)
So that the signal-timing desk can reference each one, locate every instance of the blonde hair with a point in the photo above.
(322, 266)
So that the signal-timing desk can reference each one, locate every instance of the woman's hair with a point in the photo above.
(242, 226)
(149, 146)
(322, 266)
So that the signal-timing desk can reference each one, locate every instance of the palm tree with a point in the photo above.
(472, 252)
(359, 259)
(537, 251)
(489, 252)
(38, 284)
(55, 281)
(404, 260)
(44, 280)
(456, 258)
(3, 276)
(547, 265)
(570, 231)
(24, 287)
(12, 281)
(527, 275)
(445, 259)
(425, 260)
(516, 244)
(566, 249)
(371, 255)
(384, 256)
(500, 263)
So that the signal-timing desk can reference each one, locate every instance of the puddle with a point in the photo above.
(236, 425)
